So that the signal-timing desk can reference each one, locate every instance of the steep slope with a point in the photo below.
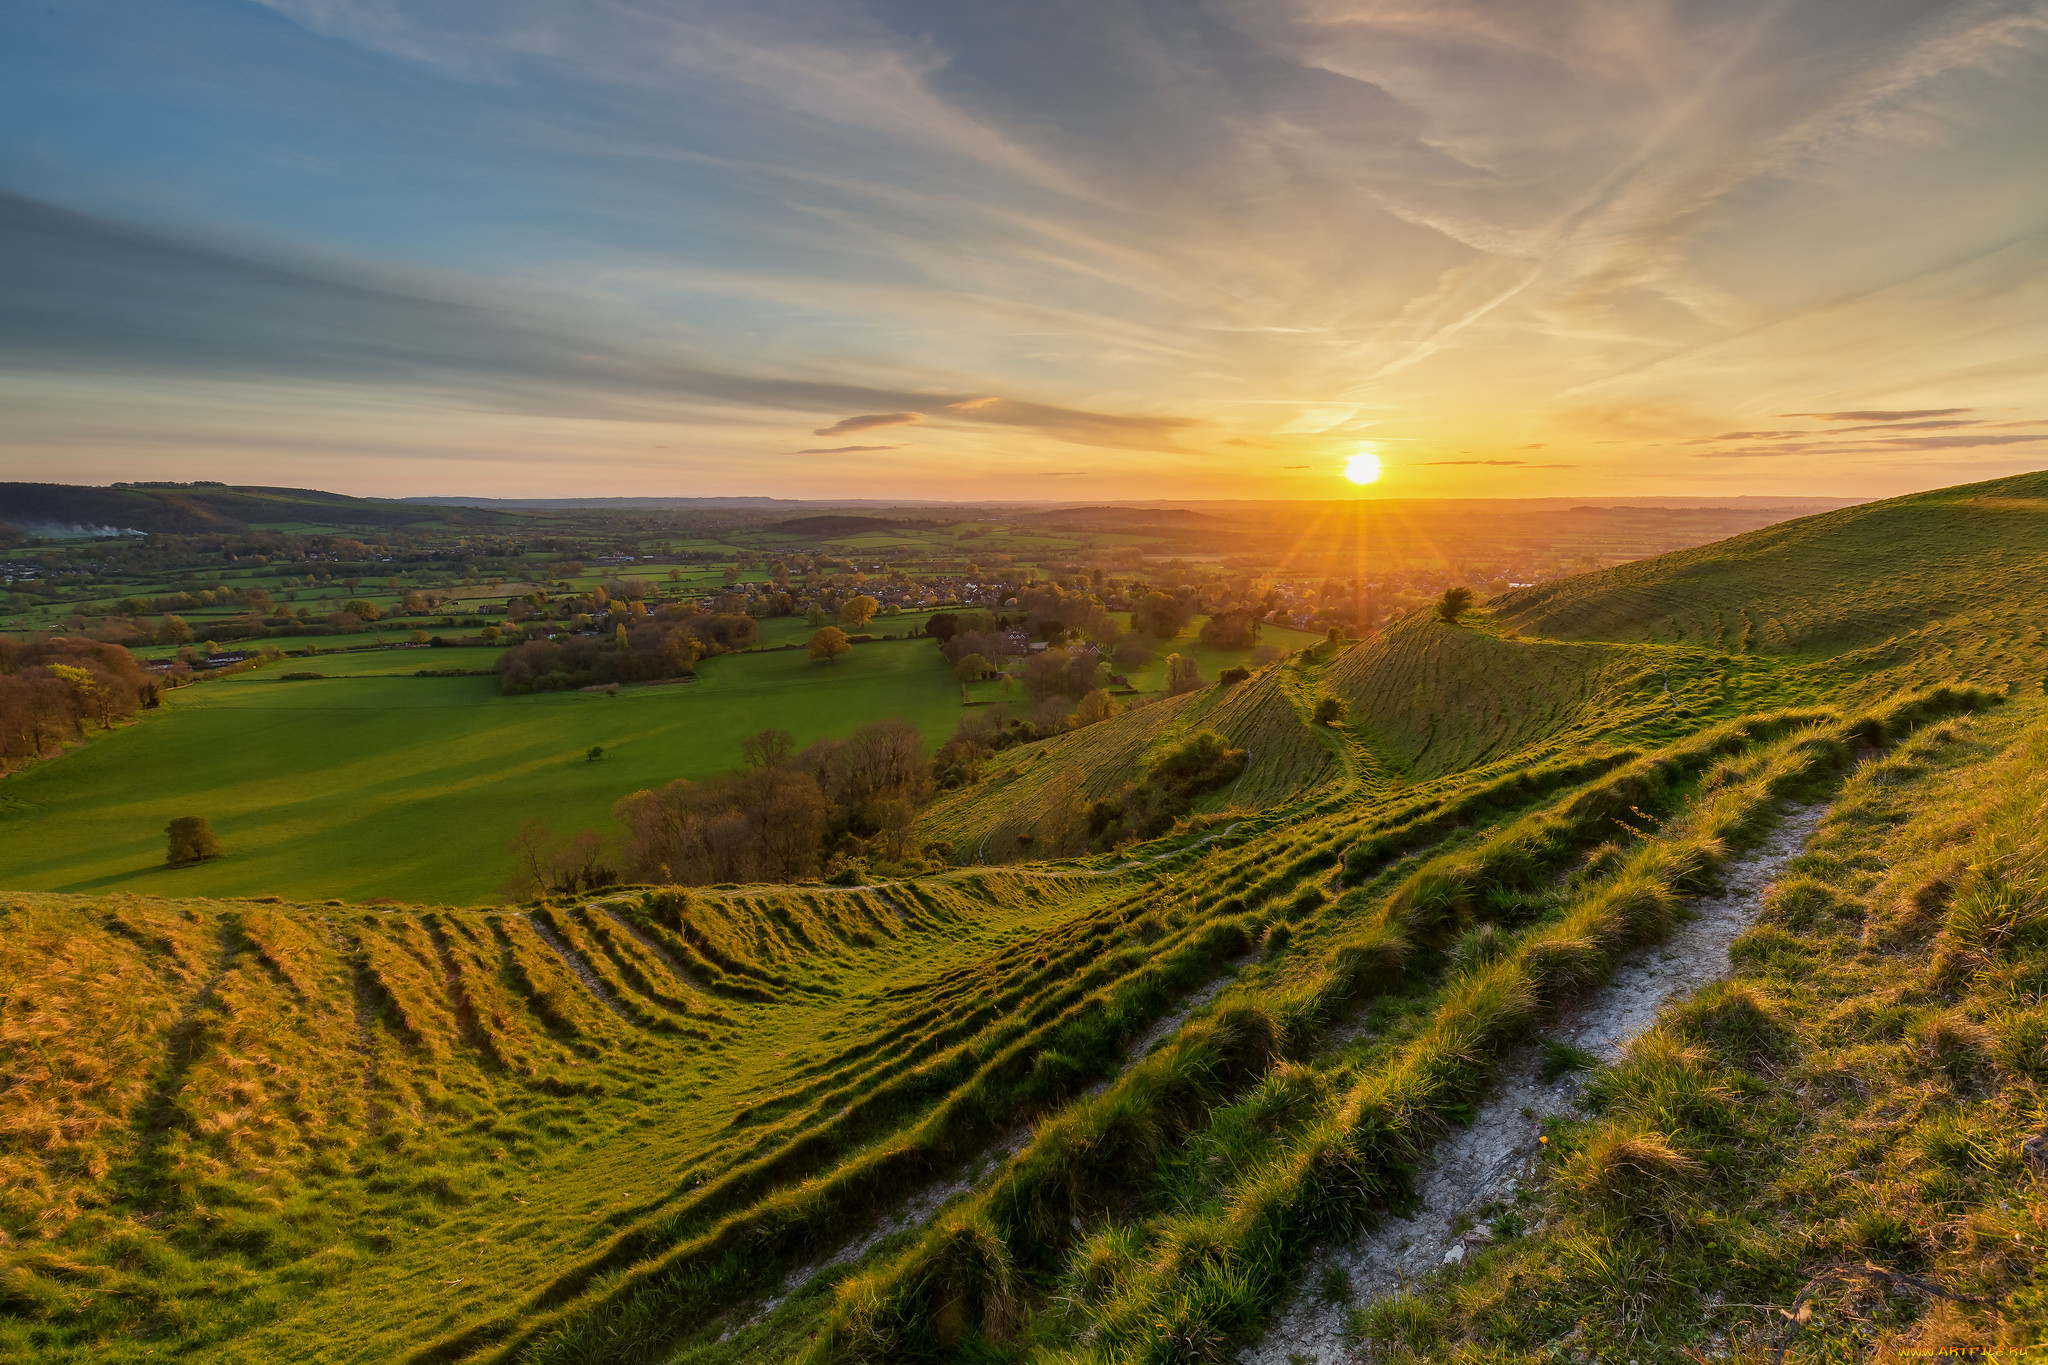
(1932, 580)
(1436, 698)
(1037, 790)
(215, 1112)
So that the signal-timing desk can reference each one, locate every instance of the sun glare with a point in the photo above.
(1363, 467)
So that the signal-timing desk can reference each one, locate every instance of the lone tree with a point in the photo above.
(973, 668)
(1332, 711)
(1454, 603)
(828, 644)
(191, 840)
(858, 611)
(1183, 674)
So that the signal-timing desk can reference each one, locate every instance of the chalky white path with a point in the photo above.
(1487, 1160)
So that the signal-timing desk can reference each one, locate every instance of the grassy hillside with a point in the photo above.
(1431, 698)
(1954, 581)
(1037, 789)
(408, 787)
(1109, 1111)
(1851, 1108)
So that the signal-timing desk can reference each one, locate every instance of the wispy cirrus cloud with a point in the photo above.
(1284, 225)
(846, 426)
(1881, 414)
(1523, 464)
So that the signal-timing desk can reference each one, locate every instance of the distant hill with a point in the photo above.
(196, 508)
(838, 525)
(1160, 517)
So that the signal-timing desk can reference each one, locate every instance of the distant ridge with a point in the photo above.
(192, 509)
(830, 525)
(616, 504)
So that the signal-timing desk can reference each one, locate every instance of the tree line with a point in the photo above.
(650, 646)
(841, 808)
(53, 688)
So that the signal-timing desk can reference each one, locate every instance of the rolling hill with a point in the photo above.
(198, 508)
(1131, 1108)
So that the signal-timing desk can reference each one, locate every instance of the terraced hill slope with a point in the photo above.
(1039, 789)
(1105, 1110)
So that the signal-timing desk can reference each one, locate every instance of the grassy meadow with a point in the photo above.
(371, 783)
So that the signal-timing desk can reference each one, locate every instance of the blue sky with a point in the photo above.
(1024, 250)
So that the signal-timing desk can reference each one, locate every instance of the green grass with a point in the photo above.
(1854, 1095)
(395, 786)
(1152, 677)
(387, 663)
(1951, 583)
(261, 1132)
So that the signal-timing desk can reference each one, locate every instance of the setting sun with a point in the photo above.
(1363, 467)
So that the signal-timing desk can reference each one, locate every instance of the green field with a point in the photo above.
(365, 786)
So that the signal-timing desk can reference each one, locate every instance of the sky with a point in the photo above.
(1025, 249)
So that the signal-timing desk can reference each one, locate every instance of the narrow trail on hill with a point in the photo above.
(578, 966)
(1487, 1160)
(660, 953)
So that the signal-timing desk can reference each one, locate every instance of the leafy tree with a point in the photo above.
(828, 644)
(973, 668)
(92, 697)
(857, 611)
(1183, 674)
(191, 841)
(1095, 708)
(1230, 676)
(1332, 711)
(1133, 651)
(593, 753)
(1454, 603)
(943, 626)
(1231, 630)
(362, 610)
(815, 616)
(1160, 615)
